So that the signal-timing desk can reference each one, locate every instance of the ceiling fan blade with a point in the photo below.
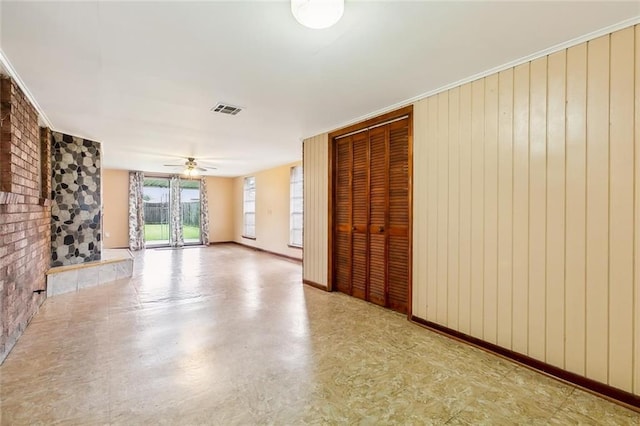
(201, 169)
(173, 165)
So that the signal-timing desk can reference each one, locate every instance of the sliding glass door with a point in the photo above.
(190, 211)
(157, 211)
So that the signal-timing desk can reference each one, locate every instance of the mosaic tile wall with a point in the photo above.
(76, 204)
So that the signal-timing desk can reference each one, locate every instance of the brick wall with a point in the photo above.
(25, 215)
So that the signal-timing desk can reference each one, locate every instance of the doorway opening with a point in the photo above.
(157, 211)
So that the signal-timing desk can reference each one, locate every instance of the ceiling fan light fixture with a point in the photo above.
(317, 14)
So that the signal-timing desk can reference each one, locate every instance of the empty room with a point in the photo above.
(319, 212)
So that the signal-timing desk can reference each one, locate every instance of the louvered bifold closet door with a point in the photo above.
(342, 217)
(398, 225)
(360, 206)
(378, 206)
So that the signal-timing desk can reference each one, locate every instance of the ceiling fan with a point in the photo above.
(191, 167)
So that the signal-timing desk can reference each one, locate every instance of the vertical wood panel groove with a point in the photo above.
(490, 199)
(564, 230)
(496, 261)
(555, 210)
(621, 191)
(608, 368)
(636, 247)
(546, 215)
(454, 209)
(477, 207)
(575, 266)
(586, 219)
(528, 292)
(513, 152)
(459, 204)
(432, 210)
(520, 326)
(464, 306)
(597, 208)
(443, 201)
(636, 226)
(537, 208)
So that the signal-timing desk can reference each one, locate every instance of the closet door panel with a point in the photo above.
(398, 273)
(342, 215)
(378, 190)
(398, 220)
(360, 206)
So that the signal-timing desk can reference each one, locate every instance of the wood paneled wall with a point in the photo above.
(527, 209)
(315, 166)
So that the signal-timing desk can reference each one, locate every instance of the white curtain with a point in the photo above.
(176, 239)
(204, 212)
(136, 211)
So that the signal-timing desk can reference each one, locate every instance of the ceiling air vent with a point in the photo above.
(226, 109)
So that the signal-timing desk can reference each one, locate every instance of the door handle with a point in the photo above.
(380, 228)
(353, 228)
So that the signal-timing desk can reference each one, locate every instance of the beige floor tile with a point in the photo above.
(582, 409)
(229, 336)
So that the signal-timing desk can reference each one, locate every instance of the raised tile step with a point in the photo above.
(116, 264)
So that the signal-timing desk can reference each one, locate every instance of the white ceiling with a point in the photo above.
(141, 76)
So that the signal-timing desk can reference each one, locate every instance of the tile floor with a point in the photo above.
(228, 336)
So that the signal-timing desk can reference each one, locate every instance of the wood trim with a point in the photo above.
(367, 231)
(410, 228)
(408, 110)
(330, 202)
(295, 259)
(315, 284)
(616, 395)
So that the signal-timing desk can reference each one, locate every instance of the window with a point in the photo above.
(249, 208)
(296, 207)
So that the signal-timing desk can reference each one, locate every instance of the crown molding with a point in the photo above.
(11, 71)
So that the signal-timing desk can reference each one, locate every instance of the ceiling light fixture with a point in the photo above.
(317, 14)
(191, 171)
